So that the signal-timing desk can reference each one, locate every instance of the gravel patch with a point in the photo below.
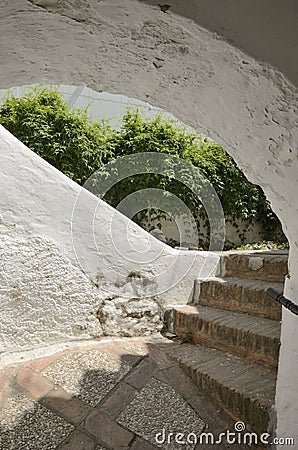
(89, 375)
(159, 407)
(25, 425)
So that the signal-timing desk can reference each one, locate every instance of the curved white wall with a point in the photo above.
(134, 49)
(43, 209)
(266, 29)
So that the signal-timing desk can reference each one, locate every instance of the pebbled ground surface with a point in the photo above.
(116, 395)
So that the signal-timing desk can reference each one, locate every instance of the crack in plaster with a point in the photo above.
(66, 9)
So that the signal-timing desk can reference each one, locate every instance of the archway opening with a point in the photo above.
(139, 127)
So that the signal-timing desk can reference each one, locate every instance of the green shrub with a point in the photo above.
(76, 146)
(68, 140)
(240, 199)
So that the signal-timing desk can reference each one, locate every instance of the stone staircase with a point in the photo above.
(236, 328)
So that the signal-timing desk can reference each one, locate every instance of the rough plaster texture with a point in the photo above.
(47, 299)
(264, 29)
(40, 199)
(135, 49)
(44, 298)
(46, 295)
(131, 317)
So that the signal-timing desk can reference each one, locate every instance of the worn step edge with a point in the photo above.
(255, 264)
(256, 338)
(245, 391)
(240, 295)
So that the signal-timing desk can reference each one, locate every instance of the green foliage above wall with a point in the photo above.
(76, 146)
(66, 139)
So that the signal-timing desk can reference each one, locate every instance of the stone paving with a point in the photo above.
(106, 395)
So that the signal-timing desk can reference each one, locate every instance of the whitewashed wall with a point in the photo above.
(252, 232)
(51, 248)
(44, 298)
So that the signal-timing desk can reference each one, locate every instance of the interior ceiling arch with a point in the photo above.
(169, 61)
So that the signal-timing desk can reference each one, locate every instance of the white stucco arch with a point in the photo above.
(171, 62)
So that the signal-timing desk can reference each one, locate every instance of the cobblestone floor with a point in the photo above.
(116, 395)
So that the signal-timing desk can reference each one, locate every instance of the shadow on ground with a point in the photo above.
(119, 395)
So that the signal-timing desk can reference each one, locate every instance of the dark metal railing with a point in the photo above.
(283, 300)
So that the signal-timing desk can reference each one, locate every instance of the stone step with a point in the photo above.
(254, 337)
(257, 265)
(244, 390)
(240, 295)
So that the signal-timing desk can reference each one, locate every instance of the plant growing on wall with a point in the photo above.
(76, 146)
(240, 198)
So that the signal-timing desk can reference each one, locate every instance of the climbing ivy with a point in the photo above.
(240, 199)
(75, 145)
